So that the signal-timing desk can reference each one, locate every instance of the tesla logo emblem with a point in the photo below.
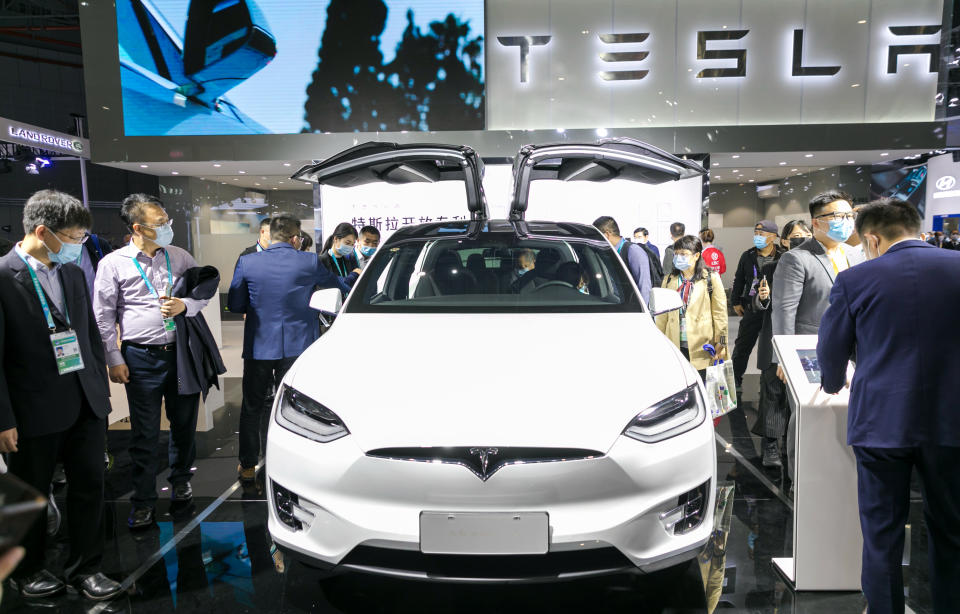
(484, 454)
(946, 183)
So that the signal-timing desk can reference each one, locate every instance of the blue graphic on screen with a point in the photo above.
(194, 67)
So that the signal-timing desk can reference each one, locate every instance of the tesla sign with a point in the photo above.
(617, 63)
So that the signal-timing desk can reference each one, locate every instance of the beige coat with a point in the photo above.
(706, 320)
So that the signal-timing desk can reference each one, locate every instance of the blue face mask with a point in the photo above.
(345, 250)
(681, 263)
(164, 235)
(840, 230)
(367, 251)
(759, 241)
(69, 253)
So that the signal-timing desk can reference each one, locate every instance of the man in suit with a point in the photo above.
(903, 405)
(677, 230)
(273, 288)
(53, 404)
(263, 239)
(805, 274)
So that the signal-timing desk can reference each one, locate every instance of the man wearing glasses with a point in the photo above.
(53, 390)
(132, 290)
(805, 275)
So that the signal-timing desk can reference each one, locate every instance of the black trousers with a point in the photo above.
(883, 486)
(259, 376)
(747, 336)
(153, 379)
(774, 406)
(81, 449)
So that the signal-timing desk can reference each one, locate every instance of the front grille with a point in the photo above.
(488, 568)
(484, 461)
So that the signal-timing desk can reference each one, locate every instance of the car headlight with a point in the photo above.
(304, 416)
(670, 417)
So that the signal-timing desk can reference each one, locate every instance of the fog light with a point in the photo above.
(690, 510)
(286, 503)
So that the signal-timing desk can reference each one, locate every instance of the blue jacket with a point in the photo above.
(273, 288)
(888, 310)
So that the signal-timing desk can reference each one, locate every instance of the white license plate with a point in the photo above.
(484, 532)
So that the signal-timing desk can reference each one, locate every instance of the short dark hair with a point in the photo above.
(821, 200)
(306, 242)
(55, 210)
(607, 225)
(265, 222)
(707, 235)
(370, 230)
(891, 218)
(789, 226)
(677, 229)
(284, 227)
(131, 211)
(642, 231)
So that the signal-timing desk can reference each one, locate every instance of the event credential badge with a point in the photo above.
(66, 350)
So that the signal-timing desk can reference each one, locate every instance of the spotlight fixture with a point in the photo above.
(32, 169)
(42, 162)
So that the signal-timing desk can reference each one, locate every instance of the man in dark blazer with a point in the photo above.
(903, 411)
(50, 408)
(263, 239)
(273, 289)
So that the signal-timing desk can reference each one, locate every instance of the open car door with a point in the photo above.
(400, 164)
(606, 159)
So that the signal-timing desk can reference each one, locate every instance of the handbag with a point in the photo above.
(721, 395)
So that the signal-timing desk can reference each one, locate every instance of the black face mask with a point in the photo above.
(795, 241)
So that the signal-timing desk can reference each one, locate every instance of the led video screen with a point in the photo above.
(201, 67)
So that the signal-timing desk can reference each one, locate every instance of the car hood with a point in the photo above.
(544, 380)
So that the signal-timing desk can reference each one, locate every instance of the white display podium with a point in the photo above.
(827, 542)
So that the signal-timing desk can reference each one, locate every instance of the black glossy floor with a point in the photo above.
(215, 557)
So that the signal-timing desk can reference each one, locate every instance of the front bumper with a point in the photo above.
(362, 513)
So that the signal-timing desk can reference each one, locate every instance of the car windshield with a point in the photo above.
(494, 272)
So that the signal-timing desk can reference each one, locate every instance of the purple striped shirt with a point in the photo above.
(121, 297)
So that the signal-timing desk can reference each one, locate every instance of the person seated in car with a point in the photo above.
(339, 255)
(703, 318)
(569, 273)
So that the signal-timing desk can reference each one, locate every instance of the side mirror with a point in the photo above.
(664, 300)
(327, 301)
(226, 42)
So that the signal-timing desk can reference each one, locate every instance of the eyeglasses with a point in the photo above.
(80, 240)
(167, 223)
(837, 216)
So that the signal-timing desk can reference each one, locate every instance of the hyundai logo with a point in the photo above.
(946, 182)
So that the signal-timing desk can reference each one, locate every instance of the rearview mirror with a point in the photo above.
(664, 300)
(226, 42)
(327, 301)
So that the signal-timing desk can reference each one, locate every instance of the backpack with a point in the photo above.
(656, 269)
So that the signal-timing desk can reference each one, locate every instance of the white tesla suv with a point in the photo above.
(487, 441)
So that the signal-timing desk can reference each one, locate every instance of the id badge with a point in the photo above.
(169, 324)
(683, 328)
(66, 351)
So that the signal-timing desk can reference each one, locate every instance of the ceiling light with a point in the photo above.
(862, 21)
(884, 154)
(850, 162)
(759, 169)
(286, 164)
(736, 171)
(601, 132)
(242, 172)
(276, 188)
(735, 156)
(143, 166)
(793, 170)
(855, 85)
(279, 182)
(235, 179)
(752, 180)
(255, 183)
(783, 164)
(218, 165)
(804, 155)
(561, 78)
(174, 172)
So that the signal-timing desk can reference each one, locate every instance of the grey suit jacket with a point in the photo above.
(801, 288)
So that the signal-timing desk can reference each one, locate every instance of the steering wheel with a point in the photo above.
(554, 284)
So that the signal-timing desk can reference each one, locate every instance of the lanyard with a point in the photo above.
(620, 245)
(43, 301)
(150, 287)
(337, 264)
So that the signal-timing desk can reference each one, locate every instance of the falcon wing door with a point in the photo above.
(401, 164)
(611, 158)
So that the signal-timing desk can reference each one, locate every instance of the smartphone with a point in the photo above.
(20, 506)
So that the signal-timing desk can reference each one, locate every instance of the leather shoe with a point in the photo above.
(41, 584)
(246, 474)
(98, 587)
(182, 492)
(140, 518)
(771, 453)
